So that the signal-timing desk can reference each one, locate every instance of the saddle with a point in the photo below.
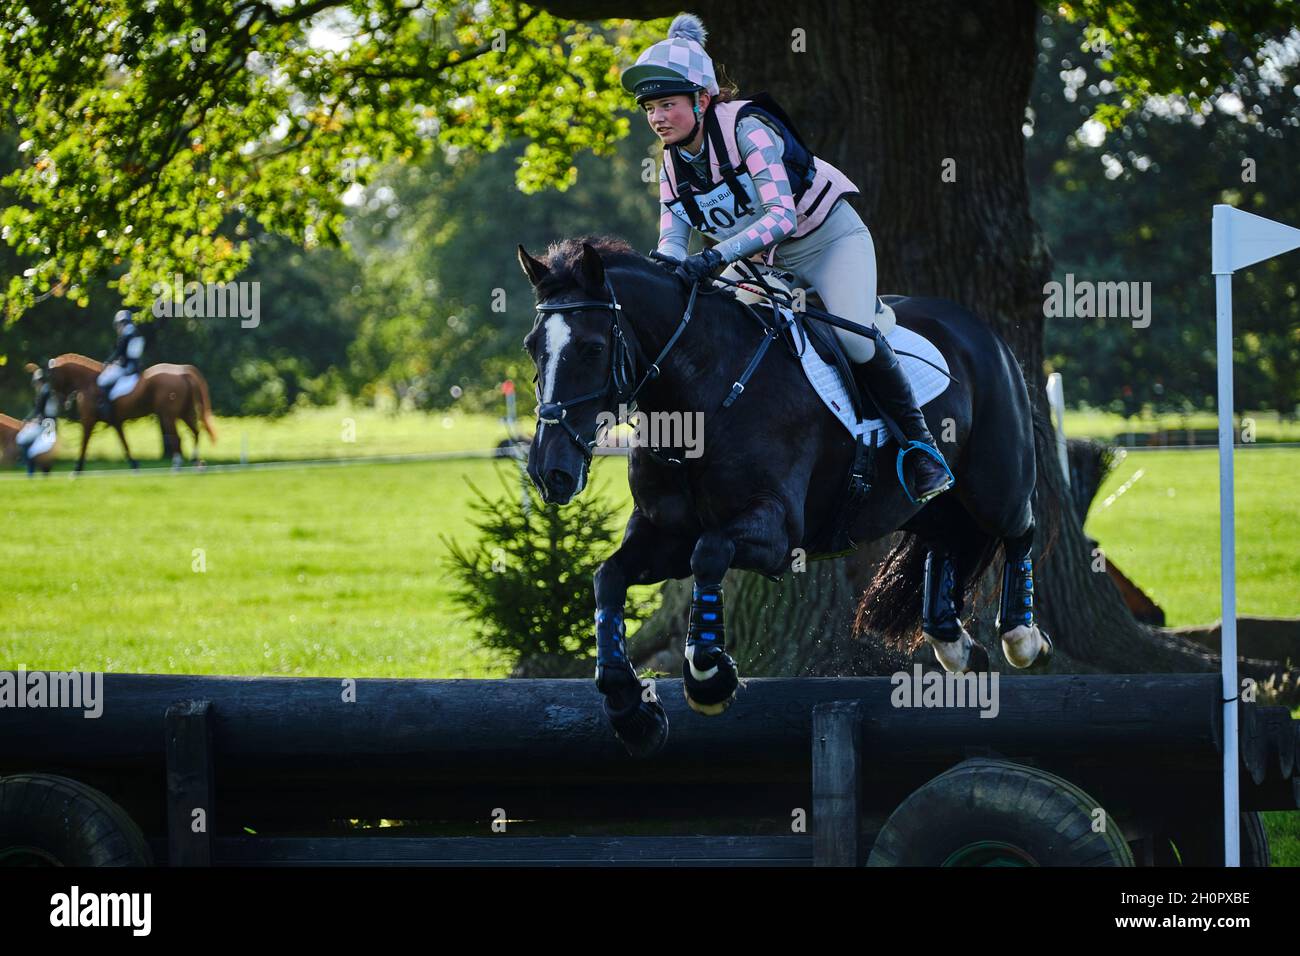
(797, 330)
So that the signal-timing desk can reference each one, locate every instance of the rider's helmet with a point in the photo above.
(675, 65)
(121, 321)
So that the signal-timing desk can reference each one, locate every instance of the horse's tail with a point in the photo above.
(891, 606)
(205, 405)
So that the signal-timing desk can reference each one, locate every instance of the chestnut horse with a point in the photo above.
(172, 392)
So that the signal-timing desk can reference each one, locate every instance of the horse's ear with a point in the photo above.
(535, 270)
(593, 269)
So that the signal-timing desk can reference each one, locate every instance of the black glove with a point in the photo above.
(694, 268)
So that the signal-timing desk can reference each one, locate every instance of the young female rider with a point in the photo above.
(736, 172)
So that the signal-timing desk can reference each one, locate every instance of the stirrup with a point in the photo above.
(937, 456)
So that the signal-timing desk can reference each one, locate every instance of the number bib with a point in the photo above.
(724, 214)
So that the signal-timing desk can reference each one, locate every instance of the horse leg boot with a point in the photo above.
(1023, 641)
(928, 474)
(709, 677)
(632, 709)
(941, 625)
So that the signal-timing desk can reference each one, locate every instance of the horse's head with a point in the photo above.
(585, 362)
(67, 373)
(38, 376)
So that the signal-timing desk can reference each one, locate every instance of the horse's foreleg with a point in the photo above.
(121, 435)
(86, 428)
(1023, 641)
(941, 607)
(646, 556)
(759, 540)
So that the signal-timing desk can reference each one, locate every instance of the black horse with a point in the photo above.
(611, 328)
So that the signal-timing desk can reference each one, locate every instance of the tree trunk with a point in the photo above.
(892, 94)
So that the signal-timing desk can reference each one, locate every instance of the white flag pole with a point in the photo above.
(1221, 243)
(1238, 239)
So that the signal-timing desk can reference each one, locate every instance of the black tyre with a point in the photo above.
(54, 821)
(996, 813)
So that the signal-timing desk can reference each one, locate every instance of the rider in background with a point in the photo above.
(122, 367)
(737, 172)
(40, 430)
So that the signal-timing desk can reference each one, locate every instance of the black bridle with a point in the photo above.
(618, 388)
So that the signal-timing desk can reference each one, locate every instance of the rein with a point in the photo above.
(618, 389)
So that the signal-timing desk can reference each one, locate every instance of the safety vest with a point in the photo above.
(729, 204)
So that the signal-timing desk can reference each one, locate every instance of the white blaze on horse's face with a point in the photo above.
(558, 335)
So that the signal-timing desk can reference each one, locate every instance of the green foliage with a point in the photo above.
(526, 583)
(155, 133)
(1189, 48)
(444, 304)
(1133, 205)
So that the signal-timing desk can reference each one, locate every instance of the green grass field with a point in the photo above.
(311, 571)
(308, 433)
(347, 432)
(1163, 530)
(336, 569)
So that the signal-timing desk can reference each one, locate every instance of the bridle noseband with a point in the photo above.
(618, 388)
(620, 369)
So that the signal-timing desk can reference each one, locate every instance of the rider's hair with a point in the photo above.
(727, 89)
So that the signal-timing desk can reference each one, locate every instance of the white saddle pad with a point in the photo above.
(928, 383)
(123, 386)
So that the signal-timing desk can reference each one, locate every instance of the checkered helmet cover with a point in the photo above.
(681, 56)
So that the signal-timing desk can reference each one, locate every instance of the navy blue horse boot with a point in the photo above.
(709, 677)
(941, 606)
(634, 713)
(1024, 643)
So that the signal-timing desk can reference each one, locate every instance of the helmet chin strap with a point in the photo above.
(695, 108)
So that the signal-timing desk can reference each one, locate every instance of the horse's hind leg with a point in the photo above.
(191, 419)
(1023, 641)
(941, 608)
(171, 440)
(758, 540)
(646, 556)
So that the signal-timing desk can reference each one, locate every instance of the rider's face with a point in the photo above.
(671, 117)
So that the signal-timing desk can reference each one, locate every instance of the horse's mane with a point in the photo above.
(9, 421)
(72, 358)
(564, 259)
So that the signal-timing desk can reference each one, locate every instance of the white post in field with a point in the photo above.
(1238, 239)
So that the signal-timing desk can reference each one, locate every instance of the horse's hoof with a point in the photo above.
(1017, 642)
(979, 659)
(709, 710)
(642, 728)
(712, 696)
(962, 656)
(1044, 655)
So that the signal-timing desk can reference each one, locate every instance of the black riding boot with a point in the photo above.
(925, 476)
(104, 406)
